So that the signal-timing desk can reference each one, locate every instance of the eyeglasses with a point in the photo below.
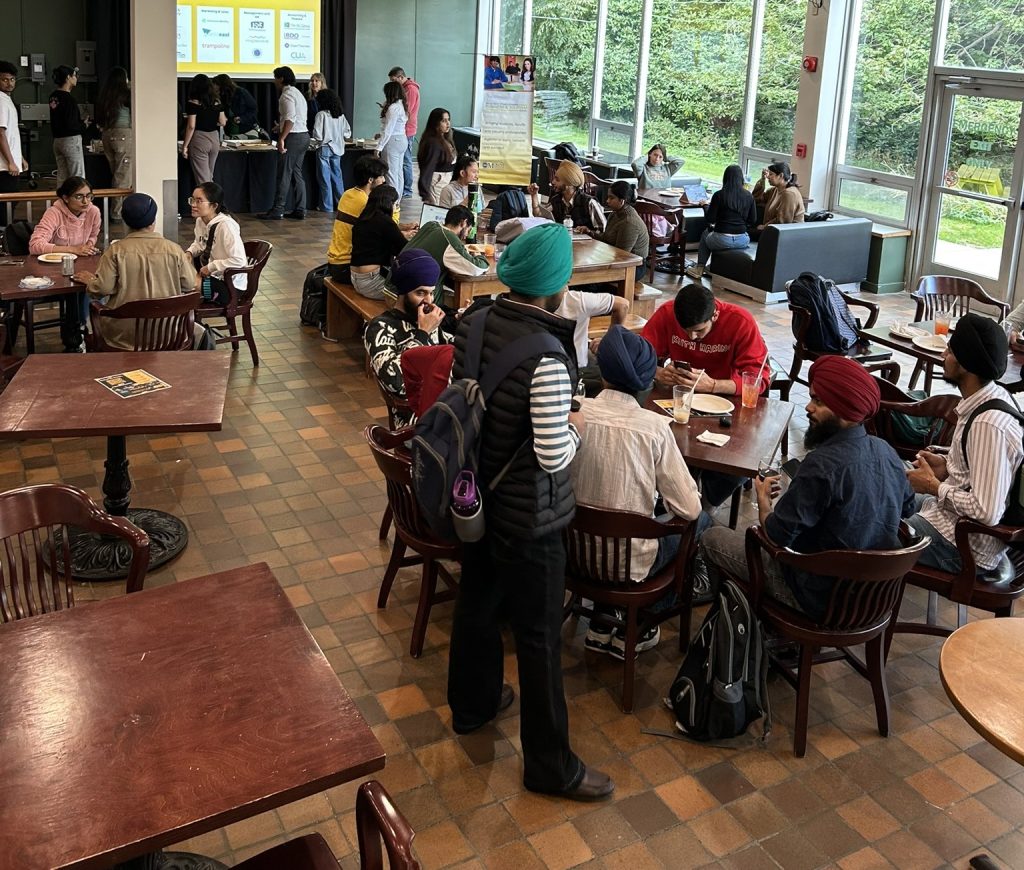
(192, 200)
(81, 197)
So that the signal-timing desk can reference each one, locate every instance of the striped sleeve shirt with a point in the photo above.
(555, 440)
(979, 491)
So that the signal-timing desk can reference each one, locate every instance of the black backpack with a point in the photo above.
(722, 685)
(509, 204)
(16, 237)
(1014, 513)
(447, 436)
(313, 309)
(568, 151)
(833, 328)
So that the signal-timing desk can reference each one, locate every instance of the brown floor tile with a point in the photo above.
(562, 847)
(646, 813)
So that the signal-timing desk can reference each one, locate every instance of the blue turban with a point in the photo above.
(414, 268)
(539, 262)
(627, 361)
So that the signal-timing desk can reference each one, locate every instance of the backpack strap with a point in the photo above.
(990, 405)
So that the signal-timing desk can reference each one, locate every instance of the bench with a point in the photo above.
(347, 311)
(9, 200)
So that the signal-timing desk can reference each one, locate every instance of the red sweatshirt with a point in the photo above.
(412, 101)
(734, 344)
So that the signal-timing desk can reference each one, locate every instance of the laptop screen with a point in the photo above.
(432, 213)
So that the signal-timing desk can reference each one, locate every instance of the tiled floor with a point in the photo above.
(289, 481)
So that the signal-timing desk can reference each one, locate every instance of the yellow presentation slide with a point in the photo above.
(249, 38)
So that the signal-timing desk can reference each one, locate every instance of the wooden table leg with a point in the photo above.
(30, 333)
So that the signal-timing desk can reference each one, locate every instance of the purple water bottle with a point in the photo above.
(467, 508)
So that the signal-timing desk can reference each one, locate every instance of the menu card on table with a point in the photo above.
(127, 385)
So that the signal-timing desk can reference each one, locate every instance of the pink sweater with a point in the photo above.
(58, 226)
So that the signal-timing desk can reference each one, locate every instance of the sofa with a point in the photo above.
(837, 249)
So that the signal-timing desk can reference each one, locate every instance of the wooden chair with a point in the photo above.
(947, 294)
(411, 532)
(995, 591)
(941, 410)
(35, 559)
(398, 412)
(239, 303)
(675, 237)
(861, 607)
(160, 324)
(596, 187)
(376, 817)
(599, 548)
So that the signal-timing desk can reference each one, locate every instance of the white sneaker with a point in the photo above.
(648, 640)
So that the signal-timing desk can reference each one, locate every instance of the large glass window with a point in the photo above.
(778, 82)
(696, 76)
(985, 33)
(510, 26)
(621, 61)
(563, 39)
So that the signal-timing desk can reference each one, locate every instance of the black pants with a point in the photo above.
(521, 582)
(340, 273)
(289, 172)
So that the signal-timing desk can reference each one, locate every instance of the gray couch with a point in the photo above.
(837, 249)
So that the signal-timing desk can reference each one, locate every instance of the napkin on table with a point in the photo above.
(713, 438)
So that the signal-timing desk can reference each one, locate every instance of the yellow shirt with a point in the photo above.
(351, 204)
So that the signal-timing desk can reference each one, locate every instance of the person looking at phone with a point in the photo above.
(413, 321)
(849, 493)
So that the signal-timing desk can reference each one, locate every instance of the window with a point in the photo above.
(510, 26)
(873, 199)
(987, 34)
(778, 81)
(563, 39)
(621, 61)
(696, 76)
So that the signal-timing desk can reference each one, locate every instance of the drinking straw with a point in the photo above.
(763, 364)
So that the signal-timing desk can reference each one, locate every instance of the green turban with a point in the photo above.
(539, 262)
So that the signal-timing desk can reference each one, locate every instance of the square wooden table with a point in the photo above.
(137, 722)
(57, 396)
(593, 262)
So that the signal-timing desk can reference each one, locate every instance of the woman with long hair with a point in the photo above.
(731, 215)
(436, 156)
(625, 230)
(206, 116)
(330, 130)
(114, 118)
(529, 74)
(317, 83)
(376, 241)
(784, 203)
(217, 245)
(391, 140)
(657, 170)
(239, 105)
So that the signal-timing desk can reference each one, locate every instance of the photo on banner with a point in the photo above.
(506, 122)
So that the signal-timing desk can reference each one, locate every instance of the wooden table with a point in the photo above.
(56, 396)
(137, 722)
(754, 435)
(593, 262)
(63, 289)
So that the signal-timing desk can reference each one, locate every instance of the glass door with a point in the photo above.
(973, 214)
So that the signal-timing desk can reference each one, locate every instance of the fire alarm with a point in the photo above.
(810, 63)
(801, 150)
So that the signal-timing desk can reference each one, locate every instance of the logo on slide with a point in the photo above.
(257, 53)
(291, 36)
(256, 24)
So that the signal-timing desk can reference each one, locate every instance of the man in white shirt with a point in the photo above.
(974, 482)
(12, 164)
(292, 145)
(579, 307)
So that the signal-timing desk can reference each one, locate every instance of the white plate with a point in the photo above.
(673, 193)
(33, 282)
(706, 403)
(934, 343)
(910, 332)
(55, 258)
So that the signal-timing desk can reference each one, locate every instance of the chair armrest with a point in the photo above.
(872, 307)
(889, 371)
(963, 583)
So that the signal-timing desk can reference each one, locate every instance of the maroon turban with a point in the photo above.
(426, 371)
(845, 387)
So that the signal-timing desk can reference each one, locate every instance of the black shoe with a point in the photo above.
(270, 216)
(297, 215)
(702, 591)
(594, 786)
(508, 695)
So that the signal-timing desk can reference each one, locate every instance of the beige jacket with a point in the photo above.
(784, 206)
(143, 265)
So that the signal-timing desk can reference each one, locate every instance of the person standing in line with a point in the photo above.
(436, 156)
(391, 141)
(412, 105)
(317, 83)
(330, 130)
(12, 164)
(114, 117)
(206, 117)
(292, 145)
(66, 124)
(239, 105)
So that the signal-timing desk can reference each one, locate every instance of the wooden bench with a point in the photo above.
(347, 311)
(9, 200)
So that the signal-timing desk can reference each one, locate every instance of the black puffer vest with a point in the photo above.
(579, 210)
(528, 502)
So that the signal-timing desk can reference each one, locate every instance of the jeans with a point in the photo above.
(712, 241)
(289, 173)
(941, 553)
(724, 550)
(369, 284)
(521, 582)
(407, 167)
(332, 185)
(70, 157)
(394, 156)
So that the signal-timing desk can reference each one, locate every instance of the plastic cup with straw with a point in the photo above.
(682, 399)
(752, 385)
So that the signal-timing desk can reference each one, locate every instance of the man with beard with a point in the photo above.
(411, 322)
(516, 573)
(974, 479)
(568, 200)
(849, 493)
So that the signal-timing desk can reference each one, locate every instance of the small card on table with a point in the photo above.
(127, 385)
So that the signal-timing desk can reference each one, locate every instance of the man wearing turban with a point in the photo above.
(629, 456)
(975, 482)
(849, 493)
(516, 573)
(567, 200)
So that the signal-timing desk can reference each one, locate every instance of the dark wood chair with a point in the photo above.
(398, 412)
(803, 318)
(599, 547)
(994, 592)
(239, 303)
(376, 818)
(160, 324)
(947, 294)
(35, 559)
(411, 532)
(861, 607)
(675, 237)
(596, 187)
(940, 410)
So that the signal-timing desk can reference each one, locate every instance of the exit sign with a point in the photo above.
(981, 146)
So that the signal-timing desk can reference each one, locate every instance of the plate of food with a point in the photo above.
(479, 250)
(55, 258)
(708, 403)
(934, 343)
(904, 330)
(34, 282)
